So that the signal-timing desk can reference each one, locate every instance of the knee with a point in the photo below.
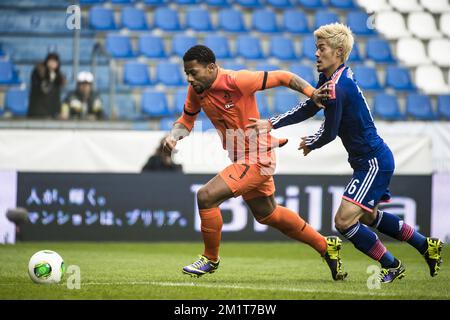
(342, 224)
(204, 198)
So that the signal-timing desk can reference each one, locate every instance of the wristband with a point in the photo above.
(308, 91)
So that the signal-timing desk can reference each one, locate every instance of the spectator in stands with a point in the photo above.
(46, 84)
(161, 161)
(83, 102)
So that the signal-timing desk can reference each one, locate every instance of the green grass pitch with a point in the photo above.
(274, 271)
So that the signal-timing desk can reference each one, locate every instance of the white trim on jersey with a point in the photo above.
(368, 180)
(277, 119)
(312, 139)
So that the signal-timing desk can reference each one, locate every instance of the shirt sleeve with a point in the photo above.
(191, 109)
(249, 82)
(330, 127)
(301, 112)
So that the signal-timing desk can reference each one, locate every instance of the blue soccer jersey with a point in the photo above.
(348, 116)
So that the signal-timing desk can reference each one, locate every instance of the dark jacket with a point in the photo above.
(45, 95)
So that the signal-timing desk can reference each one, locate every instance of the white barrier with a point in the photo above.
(418, 149)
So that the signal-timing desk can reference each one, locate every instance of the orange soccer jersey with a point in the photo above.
(229, 103)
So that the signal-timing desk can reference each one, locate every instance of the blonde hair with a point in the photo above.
(336, 35)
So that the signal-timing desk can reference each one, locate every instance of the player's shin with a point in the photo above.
(366, 241)
(211, 227)
(395, 227)
(290, 223)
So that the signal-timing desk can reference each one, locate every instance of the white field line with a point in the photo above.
(258, 288)
(373, 292)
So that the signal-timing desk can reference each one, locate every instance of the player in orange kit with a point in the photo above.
(228, 99)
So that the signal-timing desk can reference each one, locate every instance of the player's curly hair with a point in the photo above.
(201, 53)
(337, 35)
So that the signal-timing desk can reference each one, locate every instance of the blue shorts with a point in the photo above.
(370, 182)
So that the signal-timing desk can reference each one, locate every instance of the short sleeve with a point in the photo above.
(248, 82)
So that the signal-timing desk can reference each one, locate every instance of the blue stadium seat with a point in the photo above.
(323, 17)
(136, 74)
(231, 20)
(357, 21)
(218, 3)
(249, 47)
(379, 50)
(119, 46)
(151, 46)
(179, 99)
(282, 48)
(16, 101)
(101, 76)
(181, 43)
(231, 65)
(125, 107)
(154, 104)
(8, 74)
(419, 107)
(24, 72)
(32, 4)
(166, 19)
(304, 71)
(264, 20)
(285, 100)
(134, 19)
(309, 47)
(398, 78)
(219, 45)
(166, 123)
(169, 74)
(355, 55)
(31, 49)
(263, 105)
(92, 1)
(249, 3)
(310, 4)
(443, 106)
(266, 67)
(386, 107)
(155, 2)
(123, 1)
(33, 22)
(342, 4)
(295, 21)
(101, 18)
(367, 77)
(187, 2)
(279, 3)
(198, 19)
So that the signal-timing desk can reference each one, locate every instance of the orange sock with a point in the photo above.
(290, 223)
(211, 227)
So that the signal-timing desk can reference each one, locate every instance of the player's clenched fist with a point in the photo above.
(169, 144)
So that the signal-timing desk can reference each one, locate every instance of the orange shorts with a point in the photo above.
(249, 180)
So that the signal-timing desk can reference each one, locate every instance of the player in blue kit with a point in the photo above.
(348, 116)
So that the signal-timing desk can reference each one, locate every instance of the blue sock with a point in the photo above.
(393, 226)
(366, 241)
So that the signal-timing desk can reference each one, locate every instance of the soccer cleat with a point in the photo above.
(202, 266)
(331, 256)
(433, 255)
(390, 274)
